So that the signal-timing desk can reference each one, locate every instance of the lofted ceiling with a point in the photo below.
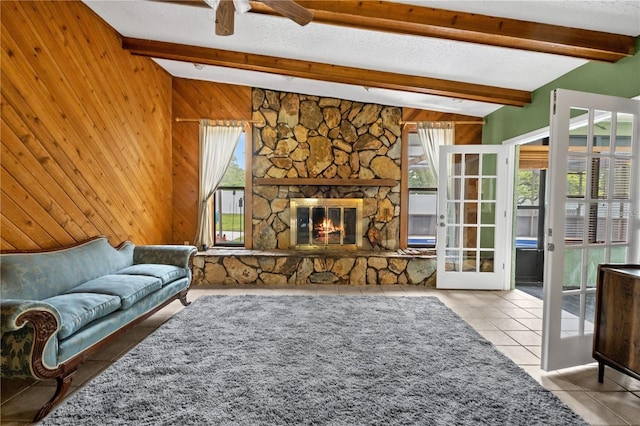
(464, 57)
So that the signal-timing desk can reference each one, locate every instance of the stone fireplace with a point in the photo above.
(319, 148)
(326, 223)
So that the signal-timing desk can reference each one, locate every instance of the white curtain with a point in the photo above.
(432, 134)
(217, 143)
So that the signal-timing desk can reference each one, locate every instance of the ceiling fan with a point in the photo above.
(225, 12)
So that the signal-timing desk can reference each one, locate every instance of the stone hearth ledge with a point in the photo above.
(296, 267)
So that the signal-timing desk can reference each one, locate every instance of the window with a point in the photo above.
(229, 201)
(422, 220)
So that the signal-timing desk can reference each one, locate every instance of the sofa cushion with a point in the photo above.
(166, 273)
(129, 288)
(36, 276)
(79, 309)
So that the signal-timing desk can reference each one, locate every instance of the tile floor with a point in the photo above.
(509, 319)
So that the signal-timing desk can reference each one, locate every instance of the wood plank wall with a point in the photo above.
(86, 132)
(198, 99)
(466, 134)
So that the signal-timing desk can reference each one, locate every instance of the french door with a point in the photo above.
(592, 215)
(471, 217)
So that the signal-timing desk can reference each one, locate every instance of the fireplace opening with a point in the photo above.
(326, 223)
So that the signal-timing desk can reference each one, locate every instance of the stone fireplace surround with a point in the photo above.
(315, 147)
(329, 140)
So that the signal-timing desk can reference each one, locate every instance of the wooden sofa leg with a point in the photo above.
(64, 383)
(183, 298)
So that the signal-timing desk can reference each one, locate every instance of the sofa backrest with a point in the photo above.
(39, 275)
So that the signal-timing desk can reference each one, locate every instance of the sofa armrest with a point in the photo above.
(175, 255)
(28, 328)
(12, 309)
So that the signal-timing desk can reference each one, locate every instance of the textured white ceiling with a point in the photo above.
(421, 56)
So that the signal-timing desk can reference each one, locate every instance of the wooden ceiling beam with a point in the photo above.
(473, 28)
(326, 72)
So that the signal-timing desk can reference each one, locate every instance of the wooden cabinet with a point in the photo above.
(617, 323)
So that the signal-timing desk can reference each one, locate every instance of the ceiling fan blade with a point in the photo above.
(241, 6)
(225, 18)
(291, 10)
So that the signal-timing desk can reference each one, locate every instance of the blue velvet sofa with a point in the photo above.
(61, 305)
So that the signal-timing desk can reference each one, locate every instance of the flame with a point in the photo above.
(327, 227)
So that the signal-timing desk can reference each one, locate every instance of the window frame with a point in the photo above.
(405, 190)
(247, 189)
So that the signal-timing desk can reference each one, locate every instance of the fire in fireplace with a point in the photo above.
(326, 223)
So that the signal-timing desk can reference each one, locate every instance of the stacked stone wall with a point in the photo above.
(313, 137)
(297, 268)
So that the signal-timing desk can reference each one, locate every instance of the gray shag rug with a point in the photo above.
(298, 360)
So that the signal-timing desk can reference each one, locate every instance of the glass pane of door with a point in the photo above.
(469, 218)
